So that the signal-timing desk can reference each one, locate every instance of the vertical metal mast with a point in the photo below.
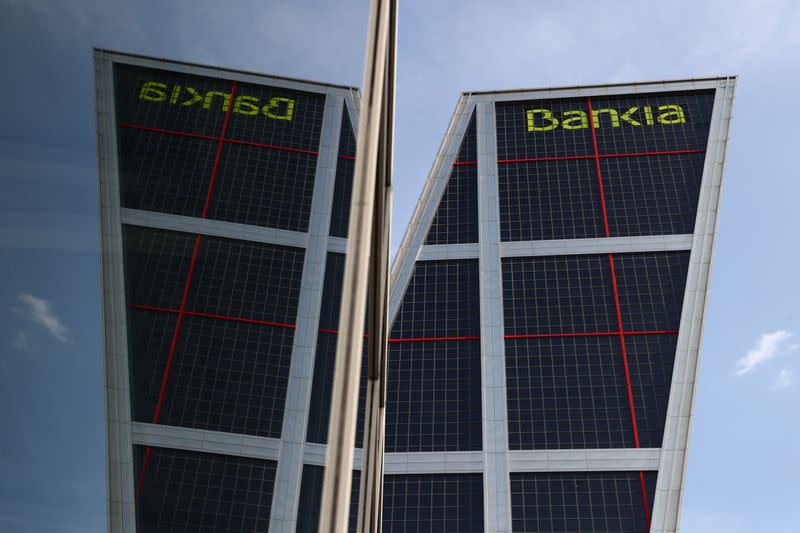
(365, 278)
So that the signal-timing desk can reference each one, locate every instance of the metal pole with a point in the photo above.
(366, 267)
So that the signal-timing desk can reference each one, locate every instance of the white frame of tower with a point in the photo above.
(496, 461)
(291, 451)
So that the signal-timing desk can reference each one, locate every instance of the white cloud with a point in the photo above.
(38, 310)
(785, 379)
(767, 347)
(21, 342)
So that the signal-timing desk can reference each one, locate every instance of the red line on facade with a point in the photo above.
(188, 284)
(591, 156)
(170, 132)
(644, 500)
(617, 306)
(587, 334)
(222, 139)
(624, 351)
(642, 154)
(599, 174)
(435, 339)
(215, 169)
(272, 146)
(350, 157)
(628, 381)
(465, 163)
(554, 158)
(220, 317)
(407, 339)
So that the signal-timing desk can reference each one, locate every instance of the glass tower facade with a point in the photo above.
(546, 302)
(224, 202)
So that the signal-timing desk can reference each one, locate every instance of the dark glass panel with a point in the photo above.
(226, 376)
(456, 218)
(567, 393)
(548, 200)
(653, 195)
(150, 335)
(163, 172)
(263, 187)
(651, 289)
(191, 492)
(434, 396)
(566, 502)
(558, 294)
(156, 265)
(650, 360)
(244, 279)
(433, 503)
(441, 300)
(322, 387)
(343, 184)
(325, 358)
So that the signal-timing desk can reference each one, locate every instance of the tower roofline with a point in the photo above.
(600, 85)
(222, 69)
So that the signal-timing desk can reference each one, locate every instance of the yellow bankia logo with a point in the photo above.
(278, 108)
(545, 119)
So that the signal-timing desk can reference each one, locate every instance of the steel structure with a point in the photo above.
(547, 304)
(366, 281)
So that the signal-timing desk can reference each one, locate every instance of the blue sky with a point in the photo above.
(743, 464)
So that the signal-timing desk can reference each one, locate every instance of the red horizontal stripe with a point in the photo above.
(534, 159)
(171, 132)
(272, 146)
(601, 156)
(435, 339)
(587, 334)
(465, 163)
(350, 157)
(220, 317)
(641, 154)
(411, 339)
(227, 140)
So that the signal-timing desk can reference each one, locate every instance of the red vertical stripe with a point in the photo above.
(597, 165)
(617, 306)
(182, 309)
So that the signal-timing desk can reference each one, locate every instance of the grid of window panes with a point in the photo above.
(567, 393)
(189, 492)
(441, 300)
(568, 502)
(343, 183)
(650, 148)
(566, 382)
(325, 358)
(574, 293)
(653, 122)
(311, 500)
(170, 150)
(456, 218)
(434, 374)
(429, 503)
(546, 200)
(651, 287)
(558, 294)
(229, 361)
(433, 397)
